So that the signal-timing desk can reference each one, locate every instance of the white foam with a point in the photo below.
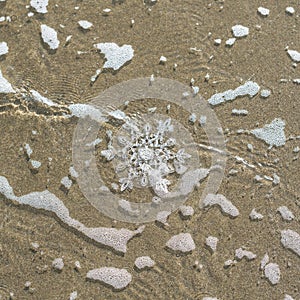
(84, 110)
(273, 133)
(263, 11)
(226, 206)
(28, 150)
(73, 295)
(182, 242)
(58, 264)
(5, 86)
(230, 42)
(85, 24)
(163, 60)
(114, 277)
(35, 164)
(291, 240)
(265, 93)
(49, 36)
(162, 217)
(39, 98)
(264, 261)
(288, 297)
(241, 253)
(285, 213)
(294, 55)
(272, 273)
(66, 182)
(212, 242)
(115, 55)
(116, 239)
(117, 114)
(40, 6)
(217, 42)
(3, 48)
(186, 211)
(249, 88)
(290, 10)
(240, 31)
(242, 112)
(73, 173)
(255, 216)
(144, 262)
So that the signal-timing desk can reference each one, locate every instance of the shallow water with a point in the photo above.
(180, 32)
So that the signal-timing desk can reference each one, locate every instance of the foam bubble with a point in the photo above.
(114, 277)
(115, 55)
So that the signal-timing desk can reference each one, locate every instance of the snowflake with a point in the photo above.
(147, 156)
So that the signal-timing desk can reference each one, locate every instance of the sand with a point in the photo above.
(184, 33)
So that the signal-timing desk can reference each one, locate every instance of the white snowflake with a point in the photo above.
(147, 155)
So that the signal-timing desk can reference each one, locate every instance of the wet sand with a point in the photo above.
(170, 29)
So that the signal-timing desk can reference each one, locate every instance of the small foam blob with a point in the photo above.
(263, 11)
(255, 216)
(265, 93)
(212, 242)
(182, 242)
(114, 277)
(5, 86)
(39, 98)
(162, 217)
(285, 213)
(66, 182)
(272, 134)
(249, 88)
(35, 164)
(264, 261)
(294, 55)
(85, 24)
(195, 90)
(28, 150)
(290, 10)
(186, 211)
(49, 36)
(77, 265)
(228, 263)
(226, 206)
(40, 6)
(240, 31)
(202, 120)
(115, 55)
(272, 273)
(73, 295)
(58, 264)
(217, 42)
(240, 253)
(144, 262)
(230, 42)
(73, 173)
(118, 114)
(3, 48)
(288, 297)
(84, 110)
(291, 240)
(162, 60)
(239, 112)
